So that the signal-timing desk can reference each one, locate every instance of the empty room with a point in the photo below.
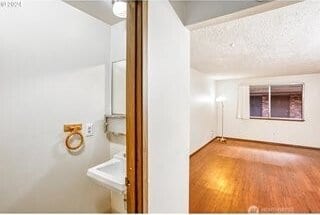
(254, 122)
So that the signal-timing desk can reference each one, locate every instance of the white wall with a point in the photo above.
(168, 110)
(203, 120)
(119, 87)
(52, 61)
(298, 133)
(117, 144)
(192, 12)
(198, 11)
(118, 52)
(180, 7)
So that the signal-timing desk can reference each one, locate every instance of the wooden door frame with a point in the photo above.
(136, 107)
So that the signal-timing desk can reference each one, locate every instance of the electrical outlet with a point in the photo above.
(89, 129)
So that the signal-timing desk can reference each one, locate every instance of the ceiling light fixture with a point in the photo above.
(119, 8)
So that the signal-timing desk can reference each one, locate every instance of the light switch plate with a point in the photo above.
(89, 129)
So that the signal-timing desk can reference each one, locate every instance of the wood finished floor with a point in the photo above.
(232, 177)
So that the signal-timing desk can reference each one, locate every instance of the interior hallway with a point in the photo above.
(235, 176)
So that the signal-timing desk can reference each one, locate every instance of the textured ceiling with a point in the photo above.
(283, 41)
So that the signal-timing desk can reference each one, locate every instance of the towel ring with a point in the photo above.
(75, 131)
(72, 134)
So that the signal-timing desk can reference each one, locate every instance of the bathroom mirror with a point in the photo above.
(118, 93)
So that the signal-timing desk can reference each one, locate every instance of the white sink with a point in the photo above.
(110, 174)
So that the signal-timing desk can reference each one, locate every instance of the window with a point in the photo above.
(276, 102)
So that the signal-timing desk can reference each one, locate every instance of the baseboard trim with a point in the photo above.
(202, 147)
(271, 143)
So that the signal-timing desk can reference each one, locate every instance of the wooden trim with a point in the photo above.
(202, 147)
(131, 106)
(136, 111)
(145, 104)
(139, 112)
(270, 143)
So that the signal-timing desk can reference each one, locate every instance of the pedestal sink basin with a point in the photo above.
(110, 174)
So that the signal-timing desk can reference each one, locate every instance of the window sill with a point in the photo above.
(279, 119)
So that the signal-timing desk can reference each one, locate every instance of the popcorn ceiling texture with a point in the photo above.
(283, 41)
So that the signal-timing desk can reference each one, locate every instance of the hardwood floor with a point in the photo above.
(237, 175)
